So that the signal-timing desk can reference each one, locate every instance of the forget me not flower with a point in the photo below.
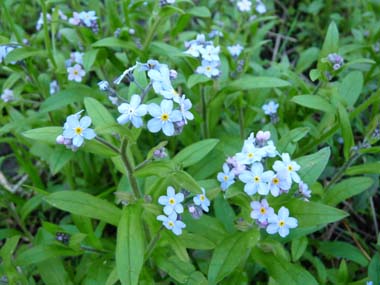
(261, 211)
(164, 117)
(278, 182)
(270, 108)
(7, 95)
(202, 200)
(281, 223)
(227, 178)
(244, 5)
(78, 130)
(255, 180)
(76, 73)
(235, 50)
(172, 201)
(132, 112)
(171, 223)
(291, 167)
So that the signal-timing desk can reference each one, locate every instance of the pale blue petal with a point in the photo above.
(137, 122)
(178, 208)
(141, 110)
(291, 222)
(135, 101)
(179, 197)
(176, 116)
(89, 134)
(168, 128)
(166, 106)
(85, 122)
(123, 108)
(283, 213)
(272, 229)
(123, 119)
(154, 110)
(170, 191)
(68, 133)
(72, 121)
(163, 200)
(168, 209)
(162, 218)
(283, 231)
(154, 125)
(78, 141)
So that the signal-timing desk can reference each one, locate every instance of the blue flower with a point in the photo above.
(163, 117)
(270, 108)
(78, 130)
(261, 211)
(277, 182)
(227, 178)
(132, 112)
(281, 223)
(291, 167)
(172, 201)
(185, 105)
(255, 180)
(171, 223)
(209, 68)
(202, 200)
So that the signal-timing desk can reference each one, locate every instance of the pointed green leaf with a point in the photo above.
(130, 245)
(374, 269)
(195, 152)
(248, 82)
(196, 79)
(314, 102)
(366, 168)
(84, 204)
(347, 134)
(24, 52)
(351, 87)
(229, 253)
(344, 250)
(331, 43)
(313, 165)
(99, 114)
(46, 134)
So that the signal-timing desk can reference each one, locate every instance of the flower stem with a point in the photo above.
(152, 244)
(107, 144)
(46, 33)
(204, 114)
(129, 168)
(151, 33)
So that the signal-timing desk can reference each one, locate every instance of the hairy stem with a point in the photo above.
(129, 168)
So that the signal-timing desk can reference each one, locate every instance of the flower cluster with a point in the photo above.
(74, 67)
(85, 19)
(75, 130)
(247, 166)
(171, 121)
(173, 209)
(336, 60)
(246, 6)
(208, 53)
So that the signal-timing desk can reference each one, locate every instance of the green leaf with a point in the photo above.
(346, 189)
(22, 53)
(195, 241)
(331, 43)
(374, 269)
(196, 79)
(86, 205)
(113, 43)
(229, 253)
(195, 152)
(314, 74)
(307, 58)
(311, 214)
(207, 227)
(248, 82)
(59, 158)
(130, 245)
(156, 168)
(314, 102)
(351, 87)
(182, 179)
(341, 249)
(46, 134)
(89, 58)
(281, 270)
(292, 137)
(313, 165)
(52, 271)
(177, 245)
(367, 168)
(100, 116)
(298, 247)
(176, 268)
(30, 205)
(225, 213)
(345, 124)
(199, 11)
(65, 97)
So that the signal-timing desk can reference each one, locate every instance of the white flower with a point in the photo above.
(281, 223)
(209, 68)
(171, 223)
(78, 130)
(75, 20)
(260, 7)
(132, 112)
(202, 200)
(103, 85)
(77, 57)
(235, 50)
(291, 167)
(7, 95)
(244, 5)
(194, 50)
(270, 108)
(255, 180)
(249, 154)
(279, 182)
(172, 201)
(164, 117)
(76, 73)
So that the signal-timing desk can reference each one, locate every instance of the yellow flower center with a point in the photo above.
(256, 179)
(171, 201)
(250, 155)
(290, 168)
(76, 72)
(275, 181)
(225, 177)
(164, 117)
(78, 130)
(263, 210)
(171, 224)
(202, 197)
(208, 68)
(281, 223)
